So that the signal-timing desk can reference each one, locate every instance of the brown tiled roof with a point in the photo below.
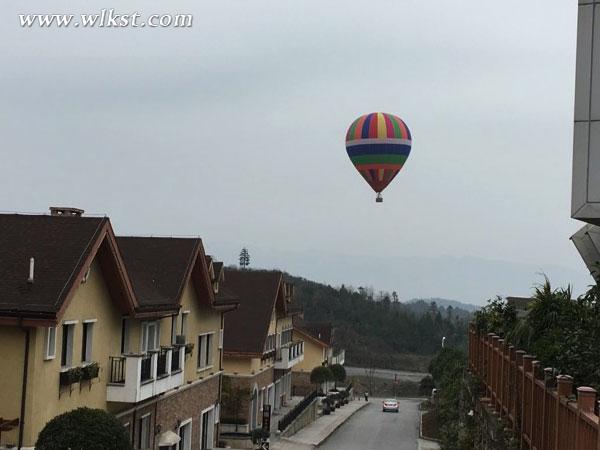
(217, 267)
(59, 246)
(246, 328)
(158, 267)
(319, 330)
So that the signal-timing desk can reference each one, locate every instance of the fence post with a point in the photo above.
(586, 399)
(537, 419)
(527, 415)
(564, 389)
(519, 390)
(512, 375)
(500, 387)
(564, 385)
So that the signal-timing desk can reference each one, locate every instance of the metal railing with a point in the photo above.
(161, 364)
(117, 369)
(146, 368)
(296, 411)
(175, 359)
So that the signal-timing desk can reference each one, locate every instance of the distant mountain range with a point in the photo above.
(446, 302)
(472, 280)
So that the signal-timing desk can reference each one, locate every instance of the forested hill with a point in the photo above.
(377, 331)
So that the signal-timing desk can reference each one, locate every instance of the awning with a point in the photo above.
(168, 438)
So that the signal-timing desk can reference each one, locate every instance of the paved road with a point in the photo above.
(371, 429)
(387, 374)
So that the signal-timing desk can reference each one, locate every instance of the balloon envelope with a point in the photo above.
(378, 145)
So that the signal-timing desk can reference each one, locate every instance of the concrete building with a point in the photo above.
(585, 203)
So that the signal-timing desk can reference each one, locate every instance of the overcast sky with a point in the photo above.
(234, 129)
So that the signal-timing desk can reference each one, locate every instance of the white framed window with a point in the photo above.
(217, 412)
(86, 341)
(145, 427)
(173, 329)
(205, 350)
(184, 319)
(150, 336)
(185, 433)
(66, 356)
(207, 428)
(125, 325)
(221, 338)
(50, 343)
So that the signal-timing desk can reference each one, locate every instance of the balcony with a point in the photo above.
(339, 357)
(289, 355)
(133, 378)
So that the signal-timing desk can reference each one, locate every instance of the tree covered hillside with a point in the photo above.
(379, 331)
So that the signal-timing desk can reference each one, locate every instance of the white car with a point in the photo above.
(391, 404)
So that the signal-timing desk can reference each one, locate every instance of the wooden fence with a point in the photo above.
(539, 406)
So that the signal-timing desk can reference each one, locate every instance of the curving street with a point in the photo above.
(371, 429)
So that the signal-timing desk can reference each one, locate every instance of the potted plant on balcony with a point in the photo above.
(90, 371)
(70, 376)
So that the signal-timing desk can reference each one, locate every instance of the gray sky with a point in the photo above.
(234, 130)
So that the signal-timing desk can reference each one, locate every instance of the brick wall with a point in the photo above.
(187, 402)
(262, 380)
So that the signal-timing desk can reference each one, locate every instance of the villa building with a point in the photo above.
(132, 326)
(318, 351)
(259, 349)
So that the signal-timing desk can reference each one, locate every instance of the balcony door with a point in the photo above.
(207, 429)
(185, 433)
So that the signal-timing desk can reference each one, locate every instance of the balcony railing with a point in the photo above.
(117, 369)
(134, 378)
(289, 355)
(175, 359)
(146, 368)
(161, 370)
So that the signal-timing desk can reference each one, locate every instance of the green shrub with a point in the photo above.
(320, 375)
(339, 373)
(83, 429)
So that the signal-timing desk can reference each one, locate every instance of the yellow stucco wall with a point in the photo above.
(201, 319)
(314, 354)
(284, 323)
(12, 345)
(91, 301)
(235, 365)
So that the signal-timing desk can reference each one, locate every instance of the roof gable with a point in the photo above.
(160, 268)
(247, 327)
(63, 248)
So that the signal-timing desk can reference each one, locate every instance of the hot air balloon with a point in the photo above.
(378, 145)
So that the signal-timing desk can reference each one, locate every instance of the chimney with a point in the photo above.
(31, 268)
(65, 211)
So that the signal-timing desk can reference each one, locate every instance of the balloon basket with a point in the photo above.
(379, 198)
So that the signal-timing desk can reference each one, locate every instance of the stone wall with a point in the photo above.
(308, 416)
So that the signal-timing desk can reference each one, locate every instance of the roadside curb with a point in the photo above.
(337, 425)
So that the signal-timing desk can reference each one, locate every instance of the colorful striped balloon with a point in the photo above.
(378, 145)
